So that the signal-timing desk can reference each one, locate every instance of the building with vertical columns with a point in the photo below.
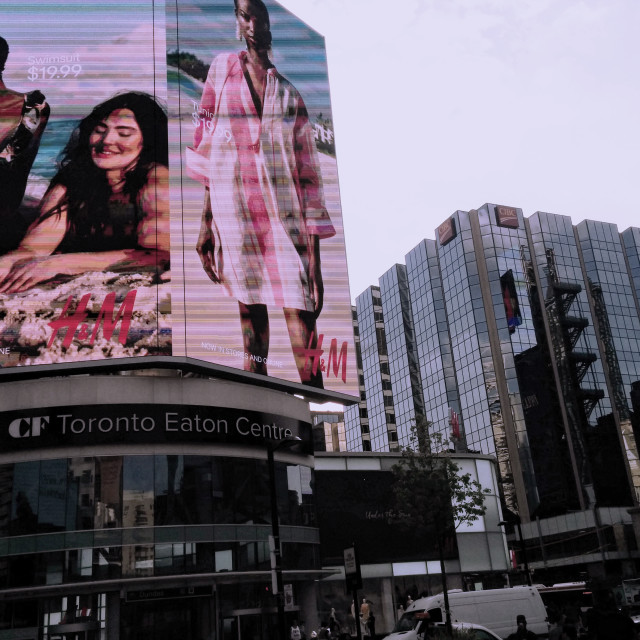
(401, 351)
(381, 433)
(356, 418)
(525, 333)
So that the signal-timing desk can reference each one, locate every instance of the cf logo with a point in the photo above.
(28, 427)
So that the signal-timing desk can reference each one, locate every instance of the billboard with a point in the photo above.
(171, 190)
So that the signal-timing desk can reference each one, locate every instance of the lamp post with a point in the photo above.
(276, 564)
(523, 549)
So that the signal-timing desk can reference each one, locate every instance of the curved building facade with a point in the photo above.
(140, 506)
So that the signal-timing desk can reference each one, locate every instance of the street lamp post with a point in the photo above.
(276, 568)
(523, 548)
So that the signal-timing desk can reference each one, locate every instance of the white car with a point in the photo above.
(479, 632)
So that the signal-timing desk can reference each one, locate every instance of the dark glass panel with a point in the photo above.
(108, 513)
(52, 498)
(24, 511)
(81, 478)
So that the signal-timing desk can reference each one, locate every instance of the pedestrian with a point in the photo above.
(556, 630)
(295, 633)
(372, 624)
(522, 633)
(606, 622)
(324, 633)
(334, 624)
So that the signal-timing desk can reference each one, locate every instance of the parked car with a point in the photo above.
(473, 631)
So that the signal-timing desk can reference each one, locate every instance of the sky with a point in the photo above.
(440, 105)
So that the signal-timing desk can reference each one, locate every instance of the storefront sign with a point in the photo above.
(95, 425)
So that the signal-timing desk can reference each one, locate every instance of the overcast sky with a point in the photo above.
(441, 105)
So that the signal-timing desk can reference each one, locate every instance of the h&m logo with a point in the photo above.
(28, 427)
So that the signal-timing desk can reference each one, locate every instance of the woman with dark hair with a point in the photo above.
(264, 211)
(107, 208)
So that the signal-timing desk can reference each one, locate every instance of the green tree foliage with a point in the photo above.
(432, 493)
(431, 490)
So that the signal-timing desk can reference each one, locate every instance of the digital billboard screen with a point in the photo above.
(169, 187)
(363, 501)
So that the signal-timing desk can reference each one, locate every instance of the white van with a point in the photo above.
(495, 609)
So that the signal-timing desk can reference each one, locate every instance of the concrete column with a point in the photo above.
(306, 595)
(113, 615)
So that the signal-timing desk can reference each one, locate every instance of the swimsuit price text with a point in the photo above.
(53, 72)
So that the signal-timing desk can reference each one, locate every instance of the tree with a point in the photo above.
(433, 493)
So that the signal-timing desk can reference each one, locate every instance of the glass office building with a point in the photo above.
(379, 432)
(526, 335)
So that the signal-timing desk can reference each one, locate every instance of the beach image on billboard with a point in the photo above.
(84, 204)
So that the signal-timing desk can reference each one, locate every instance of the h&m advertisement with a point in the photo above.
(168, 186)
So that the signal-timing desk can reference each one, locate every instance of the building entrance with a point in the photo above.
(254, 626)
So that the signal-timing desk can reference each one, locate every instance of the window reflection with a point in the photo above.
(6, 482)
(169, 507)
(80, 493)
(24, 511)
(111, 493)
(198, 490)
(52, 495)
(301, 506)
(175, 558)
(137, 510)
(124, 499)
(108, 511)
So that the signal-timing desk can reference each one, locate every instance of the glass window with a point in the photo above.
(108, 511)
(6, 482)
(183, 486)
(241, 491)
(52, 497)
(169, 506)
(300, 503)
(79, 563)
(197, 490)
(138, 491)
(81, 477)
(24, 511)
